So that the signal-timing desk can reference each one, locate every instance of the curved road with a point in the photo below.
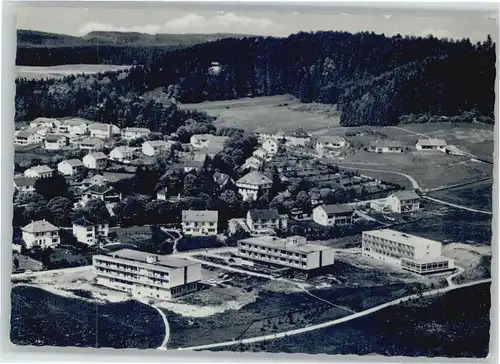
(412, 180)
(457, 206)
(337, 321)
(163, 345)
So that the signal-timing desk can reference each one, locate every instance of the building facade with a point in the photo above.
(200, 222)
(411, 252)
(103, 131)
(331, 215)
(40, 233)
(253, 185)
(121, 154)
(41, 171)
(56, 142)
(385, 146)
(134, 133)
(147, 275)
(91, 144)
(24, 184)
(97, 160)
(431, 145)
(270, 146)
(89, 230)
(24, 137)
(264, 222)
(70, 167)
(293, 253)
(153, 147)
(404, 201)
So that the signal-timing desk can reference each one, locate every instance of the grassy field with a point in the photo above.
(52, 72)
(45, 319)
(478, 195)
(455, 324)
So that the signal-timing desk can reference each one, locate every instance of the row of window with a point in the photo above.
(272, 251)
(272, 259)
(374, 240)
(125, 267)
(196, 224)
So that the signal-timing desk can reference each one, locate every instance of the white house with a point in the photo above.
(103, 131)
(385, 146)
(199, 222)
(271, 146)
(56, 142)
(98, 180)
(265, 222)
(221, 179)
(431, 144)
(73, 126)
(40, 233)
(134, 133)
(101, 192)
(162, 194)
(88, 230)
(153, 147)
(44, 123)
(70, 167)
(91, 144)
(413, 253)
(24, 137)
(262, 154)
(330, 215)
(121, 154)
(253, 184)
(199, 141)
(297, 138)
(404, 201)
(330, 142)
(97, 160)
(147, 275)
(41, 171)
(253, 162)
(24, 184)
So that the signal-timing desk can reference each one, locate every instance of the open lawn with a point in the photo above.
(51, 72)
(42, 318)
(455, 324)
(478, 195)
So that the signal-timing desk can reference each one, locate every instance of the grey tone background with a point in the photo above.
(461, 18)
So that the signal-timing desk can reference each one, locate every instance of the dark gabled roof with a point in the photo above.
(406, 195)
(90, 221)
(299, 133)
(337, 209)
(386, 143)
(54, 137)
(99, 189)
(269, 214)
(24, 181)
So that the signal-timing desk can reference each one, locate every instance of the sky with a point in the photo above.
(257, 19)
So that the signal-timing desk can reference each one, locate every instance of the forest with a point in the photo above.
(373, 79)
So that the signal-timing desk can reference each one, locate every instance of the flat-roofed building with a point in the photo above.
(147, 275)
(413, 253)
(200, 222)
(294, 253)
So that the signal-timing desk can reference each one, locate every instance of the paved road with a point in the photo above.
(334, 322)
(457, 206)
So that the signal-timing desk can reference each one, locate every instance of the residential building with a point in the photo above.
(297, 138)
(147, 275)
(330, 142)
(24, 184)
(25, 137)
(153, 147)
(199, 141)
(199, 222)
(56, 141)
(40, 171)
(330, 215)
(221, 179)
(253, 184)
(266, 222)
(385, 146)
(413, 253)
(271, 146)
(88, 230)
(70, 167)
(40, 233)
(121, 154)
(91, 144)
(73, 126)
(404, 201)
(202, 154)
(253, 162)
(293, 253)
(431, 144)
(162, 194)
(262, 154)
(102, 192)
(134, 133)
(103, 131)
(44, 123)
(95, 160)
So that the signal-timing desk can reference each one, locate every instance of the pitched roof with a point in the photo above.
(432, 142)
(24, 181)
(336, 209)
(386, 143)
(41, 169)
(123, 149)
(137, 130)
(97, 155)
(73, 162)
(269, 214)
(221, 178)
(99, 189)
(54, 137)
(90, 221)
(331, 139)
(100, 126)
(255, 178)
(24, 134)
(74, 122)
(157, 143)
(200, 215)
(406, 195)
(299, 133)
(40, 226)
(92, 141)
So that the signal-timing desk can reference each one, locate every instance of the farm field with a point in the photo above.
(52, 72)
(42, 318)
(477, 195)
(443, 327)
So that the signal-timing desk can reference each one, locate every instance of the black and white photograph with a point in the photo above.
(253, 178)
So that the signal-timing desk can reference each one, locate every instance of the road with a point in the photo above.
(457, 206)
(449, 187)
(336, 321)
(163, 345)
(410, 178)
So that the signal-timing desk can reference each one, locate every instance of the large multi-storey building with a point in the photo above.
(147, 275)
(293, 252)
(199, 222)
(413, 253)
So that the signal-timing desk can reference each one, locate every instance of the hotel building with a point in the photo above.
(411, 252)
(147, 275)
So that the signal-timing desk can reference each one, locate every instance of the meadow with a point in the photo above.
(54, 72)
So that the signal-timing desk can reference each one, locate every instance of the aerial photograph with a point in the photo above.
(248, 178)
